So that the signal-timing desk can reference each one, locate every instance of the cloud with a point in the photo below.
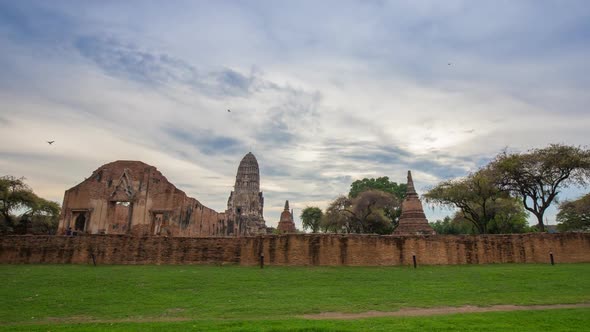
(126, 61)
(361, 89)
(206, 140)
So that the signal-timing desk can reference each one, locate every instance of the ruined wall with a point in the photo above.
(298, 249)
(131, 197)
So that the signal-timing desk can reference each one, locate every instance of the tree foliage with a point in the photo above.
(510, 218)
(311, 217)
(453, 226)
(476, 195)
(538, 175)
(18, 203)
(371, 211)
(574, 215)
(382, 184)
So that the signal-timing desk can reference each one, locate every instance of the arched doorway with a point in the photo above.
(80, 224)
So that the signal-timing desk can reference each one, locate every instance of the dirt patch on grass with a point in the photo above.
(407, 312)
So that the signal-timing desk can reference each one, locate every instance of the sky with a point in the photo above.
(322, 92)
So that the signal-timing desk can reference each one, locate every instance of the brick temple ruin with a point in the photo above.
(134, 198)
(131, 197)
(286, 224)
(413, 220)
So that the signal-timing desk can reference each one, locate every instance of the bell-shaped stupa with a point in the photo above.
(286, 223)
(413, 220)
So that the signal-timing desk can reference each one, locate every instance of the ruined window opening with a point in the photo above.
(80, 223)
(99, 176)
(110, 183)
(120, 215)
(238, 210)
(157, 220)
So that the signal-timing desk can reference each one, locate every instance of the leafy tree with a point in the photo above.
(14, 195)
(574, 215)
(17, 196)
(537, 175)
(476, 195)
(382, 184)
(43, 216)
(311, 217)
(369, 212)
(453, 226)
(336, 219)
(510, 217)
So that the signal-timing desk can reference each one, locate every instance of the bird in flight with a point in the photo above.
(449, 64)
(228, 111)
(50, 142)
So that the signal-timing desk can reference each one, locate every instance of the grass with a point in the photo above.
(50, 297)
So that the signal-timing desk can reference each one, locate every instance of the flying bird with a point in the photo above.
(50, 142)
(228, 111)
(449, 64)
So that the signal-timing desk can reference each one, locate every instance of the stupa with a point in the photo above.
(413, 220)
(286, 224)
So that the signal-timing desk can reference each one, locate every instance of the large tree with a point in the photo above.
(574, 215)
(15, 195)
(538, 175)
(477, 196)
(372, 211)
(382, 184)
(19, 202)
(311, 217)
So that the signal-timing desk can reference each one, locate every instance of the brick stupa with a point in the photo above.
(413, 221)
(286, 224)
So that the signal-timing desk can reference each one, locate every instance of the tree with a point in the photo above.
(17, 196)
(475, 195)
(454, 226)
(510, 217)
(372, 211)
(538, 175)
(336, 219)
(14, 195)
(382, 184)
(311, 218)
(43, 216)
(574, 215)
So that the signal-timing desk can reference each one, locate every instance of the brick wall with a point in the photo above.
(297, 249)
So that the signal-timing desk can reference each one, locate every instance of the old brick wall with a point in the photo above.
(297, 249)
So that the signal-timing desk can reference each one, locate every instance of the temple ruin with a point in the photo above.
(413, 220)
(286, 224)
(246, 203)
(131, 197)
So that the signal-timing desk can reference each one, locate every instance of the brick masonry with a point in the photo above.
(297, 249)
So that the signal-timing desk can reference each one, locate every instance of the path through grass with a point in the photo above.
(222, 295)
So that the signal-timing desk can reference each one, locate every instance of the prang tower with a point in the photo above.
(246, 203)
(413, 220)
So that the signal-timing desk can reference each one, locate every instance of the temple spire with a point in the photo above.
(287, 205)
(410, 187)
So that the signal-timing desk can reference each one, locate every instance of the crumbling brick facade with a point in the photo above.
(131, 197)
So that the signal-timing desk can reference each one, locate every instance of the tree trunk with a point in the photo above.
(540, 224)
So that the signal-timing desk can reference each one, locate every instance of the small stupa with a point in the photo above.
(413, 220)
(286, 224)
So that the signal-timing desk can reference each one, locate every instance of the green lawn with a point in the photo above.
(45, 297)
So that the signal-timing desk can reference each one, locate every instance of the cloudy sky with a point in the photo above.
(322, 92)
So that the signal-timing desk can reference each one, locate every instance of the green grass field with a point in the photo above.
(146, 298)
